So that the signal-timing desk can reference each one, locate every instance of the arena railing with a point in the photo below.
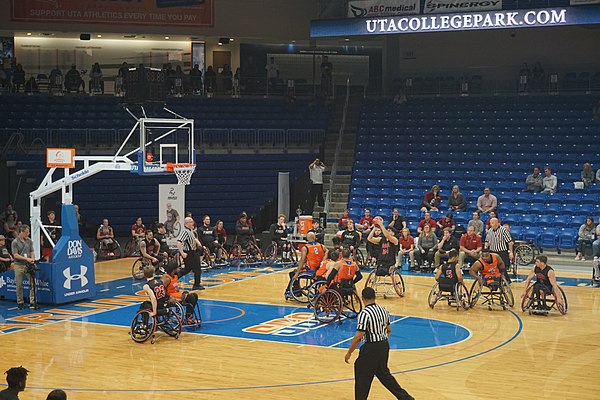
(338, 148)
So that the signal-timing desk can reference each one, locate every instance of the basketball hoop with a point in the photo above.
(183, 172)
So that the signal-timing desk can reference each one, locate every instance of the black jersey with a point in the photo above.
(350, 238)
(386, 252)
(160, 291)
(151, 246)
(207, 235)
(541, 275)
(448, 278)
(278, 232)
(319, 234)
(162, 239)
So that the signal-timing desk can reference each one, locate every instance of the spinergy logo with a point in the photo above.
(489, 20)
(76, 277)
(358, 12)
(74, 249)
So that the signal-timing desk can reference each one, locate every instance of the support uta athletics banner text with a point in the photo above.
(114, 12)
(472, 21)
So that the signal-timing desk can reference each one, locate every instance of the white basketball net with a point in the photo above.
(184, 173)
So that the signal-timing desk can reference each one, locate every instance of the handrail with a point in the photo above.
(338, 148)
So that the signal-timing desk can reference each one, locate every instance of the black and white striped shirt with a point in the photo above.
(498, 240)
(374, 320)
(187, 239)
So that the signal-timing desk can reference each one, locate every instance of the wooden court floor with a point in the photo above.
(508, 355)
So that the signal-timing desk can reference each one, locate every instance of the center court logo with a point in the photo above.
(75, 277)
(74, 249)
(291, 325)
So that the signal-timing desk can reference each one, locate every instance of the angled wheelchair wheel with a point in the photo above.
(524, 254)
(370, 281)
(561, 304)
(178, 309)
(314, 290)
(461, 295)
(359, 258)
(434, 295)
(143, 326)
(271, 254)
(132, 248)
(253, 255)
(352, 305)
(328, 306)
(221, 257)
(397, 282)
(509, 298)
(235, 256)
(474, 293)
(206, 262)
(300, 291)
(528, 299)
(170, 323)
(137, 269)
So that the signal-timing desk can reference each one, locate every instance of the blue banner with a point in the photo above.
(484, 20)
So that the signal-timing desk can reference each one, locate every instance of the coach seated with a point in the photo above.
(73, 80)
(470, 247)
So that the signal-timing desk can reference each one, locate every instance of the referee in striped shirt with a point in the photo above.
(187, 243)
(374, 328)
(499, 241)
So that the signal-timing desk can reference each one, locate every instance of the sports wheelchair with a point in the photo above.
(250, 256)
(218, 258)
(193, 321)
(525, 252)
(304, 290)
(455, 294)
(107, 249)
(132, 248)
(144, 326)
(494, 292)
(534, 305)
(273, 254)
(336, 300)
(137, 268)
(389, 280)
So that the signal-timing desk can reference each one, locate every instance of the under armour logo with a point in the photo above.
(75, 277)
(2, 282)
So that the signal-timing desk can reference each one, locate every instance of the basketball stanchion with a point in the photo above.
(183, 172)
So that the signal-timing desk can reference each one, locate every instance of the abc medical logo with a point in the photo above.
(74, 249)
(75, 277)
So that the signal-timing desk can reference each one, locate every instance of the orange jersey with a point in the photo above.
(490, 270)
(347, 271)
(173, 289)
(322, 271)
(314, 255)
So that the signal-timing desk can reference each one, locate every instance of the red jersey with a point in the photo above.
(470, 242)
(406, 244)
(138, 229)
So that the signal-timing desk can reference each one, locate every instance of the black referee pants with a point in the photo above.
(506, 260)
(192, 263)
(372, 361)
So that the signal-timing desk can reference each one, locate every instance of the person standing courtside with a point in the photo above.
(315, 169)
(499, 241)
(187, 243)
(374, 328)
(22, 250)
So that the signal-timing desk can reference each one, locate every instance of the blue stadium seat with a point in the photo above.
(532, 233)
(567, 239)
(549, 238)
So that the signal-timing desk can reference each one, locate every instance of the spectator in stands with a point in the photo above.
(549, 182)
(476, 223)
(73, 80)
(124, 69)
(318, 231)
(446, 223)
(343, 221)
(456, 200)
(406, 245)
(18, 78)
(587, 175)
(537, 77)
(326, 77)
(446, 243)
(9, 210)
(221, 233)
(488, 223)
(366, 223)
(272, 72)
(96, 82)
(596, 111)
(431, 200)
(427, 220)
(6, 259)
(426, 244)
(397, 221)
(598, 175)
(470, 247)
(227, 78)
(196, 79)
(210, 80)
(31, 86)
(585, 236)
(4, 80)
(10, 227)
(138, 230)
(50, 225)
(596, 249)
(524, 78)
(399, 98)
(487, 201)
(316, 169)
(534, 181)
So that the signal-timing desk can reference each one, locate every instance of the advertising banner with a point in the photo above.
(584, 2)
(449, 6)
(373, 8)
(171, 209)
(146, 12)
(471, 21)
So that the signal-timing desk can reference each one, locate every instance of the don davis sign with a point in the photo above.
(483, 20)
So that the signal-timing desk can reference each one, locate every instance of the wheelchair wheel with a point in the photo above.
(474, 293)
(253, 255)
(221, 257)
(528, 299)
(132, 248)
(397, 281)
(235, 256)
(170, 323)
(300, 293)
(370, 281)
(434, 295)
(524, 254)
(563, 306)
(314, 290)
(271, 254)
(206, 259)
(328, 306)
(352, 305)
(143, 326)
(359, 258)
(176, 228)
(461, 295)
(137, 269)
(509, 298)
(178, 309)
